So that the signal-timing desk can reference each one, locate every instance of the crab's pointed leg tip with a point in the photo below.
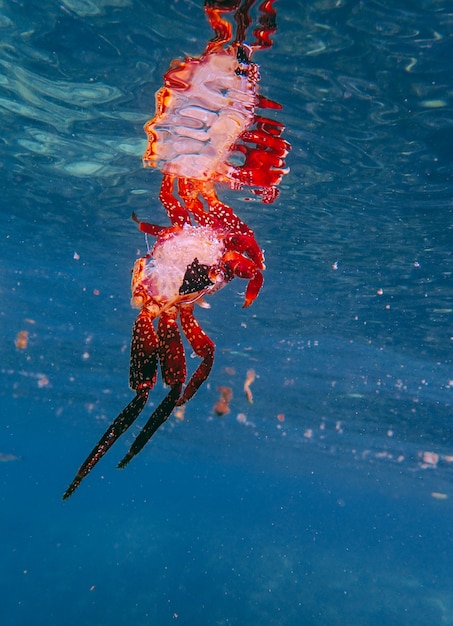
(122, 464)
(68, 493)
(72, 487)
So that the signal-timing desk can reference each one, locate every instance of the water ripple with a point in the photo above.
(58, 103)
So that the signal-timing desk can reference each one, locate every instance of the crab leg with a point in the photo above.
(143, 373)
(146, 227)
(119, 426)
(159, 416)
(175, 211)
(243, 20)
(144, 353)
(202, 346)
(173, 366)
(221, 27)
(218, 215)
(267, 27)
(223, 213)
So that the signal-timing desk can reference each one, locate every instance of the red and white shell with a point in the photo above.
(157, 278)
(202, 110)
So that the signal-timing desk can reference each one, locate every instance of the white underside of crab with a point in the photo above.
(163, 273)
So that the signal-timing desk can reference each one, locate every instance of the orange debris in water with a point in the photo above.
(179, 412)
(21, 340)
(248, 381)
(430, 458)
(222, 406)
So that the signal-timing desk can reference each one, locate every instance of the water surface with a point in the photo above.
(329, 501)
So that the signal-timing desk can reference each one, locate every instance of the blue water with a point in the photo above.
(338, 515)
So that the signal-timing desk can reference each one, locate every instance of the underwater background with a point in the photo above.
(329, 499)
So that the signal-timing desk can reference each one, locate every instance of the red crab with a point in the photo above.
(206, 129)
(186, 263)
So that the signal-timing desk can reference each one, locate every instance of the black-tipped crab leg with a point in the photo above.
(173, 366)
(146, 227)
(142, 377)
(157, 419)
(119, 426)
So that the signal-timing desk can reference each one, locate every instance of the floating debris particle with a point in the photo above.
(179, 412)
(222, 406)
(250, 378)
(430, 458)
(433, 104)
(43, 381)
(8, 458)
(21, 340)
(437, 495)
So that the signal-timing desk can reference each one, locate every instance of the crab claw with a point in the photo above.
(242, 267)
(248, 245)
